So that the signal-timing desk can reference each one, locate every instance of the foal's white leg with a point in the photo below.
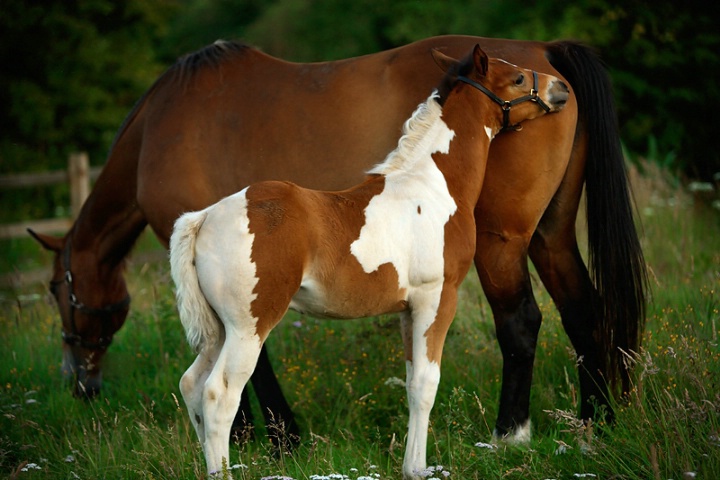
(423, 377)
(221, 395)
(192, 385)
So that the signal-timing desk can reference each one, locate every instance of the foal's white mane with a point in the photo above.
(420, 135)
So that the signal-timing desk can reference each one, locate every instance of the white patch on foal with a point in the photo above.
(405, 226)
(232, 253)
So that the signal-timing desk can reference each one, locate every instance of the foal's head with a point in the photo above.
(521, 94)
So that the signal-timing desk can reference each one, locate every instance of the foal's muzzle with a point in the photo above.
(558, 95)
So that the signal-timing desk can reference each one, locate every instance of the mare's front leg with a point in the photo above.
(424, 331)
(503, 270)
(282, 427)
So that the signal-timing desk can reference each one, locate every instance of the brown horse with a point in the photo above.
(228, 116)
(401, 241)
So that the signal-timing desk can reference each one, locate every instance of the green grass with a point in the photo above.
(335, 375)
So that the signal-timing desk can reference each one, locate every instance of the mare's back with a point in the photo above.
(249, 117)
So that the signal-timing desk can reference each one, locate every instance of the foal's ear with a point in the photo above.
(480, 59)
(48, 242)
(443, 61)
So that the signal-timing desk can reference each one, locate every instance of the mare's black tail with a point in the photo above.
(617, 267)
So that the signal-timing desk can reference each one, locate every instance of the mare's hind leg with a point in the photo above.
(555, 254)
(502, 267)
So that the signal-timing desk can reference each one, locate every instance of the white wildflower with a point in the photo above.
(30, 466)
(395, 382)
(489, 446)
(430, 472)
(562, 447)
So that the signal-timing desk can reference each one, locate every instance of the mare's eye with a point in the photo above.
(520, 79)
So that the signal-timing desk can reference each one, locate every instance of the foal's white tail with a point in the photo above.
(201, 324)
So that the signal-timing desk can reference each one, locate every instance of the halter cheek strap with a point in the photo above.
(506, 105)
(73, 338)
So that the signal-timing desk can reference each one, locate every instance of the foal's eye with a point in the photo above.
(520, 79)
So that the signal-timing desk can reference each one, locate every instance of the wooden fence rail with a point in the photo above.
(78, 175)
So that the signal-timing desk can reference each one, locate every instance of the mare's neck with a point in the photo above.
(107, 227)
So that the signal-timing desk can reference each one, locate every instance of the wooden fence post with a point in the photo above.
(79, 174)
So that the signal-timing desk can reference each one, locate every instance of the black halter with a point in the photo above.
(73, 338)
(506, 105)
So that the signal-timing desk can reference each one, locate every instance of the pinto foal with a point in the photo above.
(402, 241)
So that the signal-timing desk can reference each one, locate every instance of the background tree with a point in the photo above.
(71, 72)
(73, 69)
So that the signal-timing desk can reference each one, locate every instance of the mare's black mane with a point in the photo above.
(209, 56)
(183, 71)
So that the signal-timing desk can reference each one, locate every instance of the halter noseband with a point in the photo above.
(73, 338)
(506, 105)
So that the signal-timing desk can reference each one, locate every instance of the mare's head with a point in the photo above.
(520, 94)
(93, 304)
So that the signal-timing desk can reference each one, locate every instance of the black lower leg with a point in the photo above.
(242, 426)
(578, 322)
(517, 334)
(279, 418)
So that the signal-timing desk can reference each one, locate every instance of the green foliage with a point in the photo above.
(72, 70)
(663, 61)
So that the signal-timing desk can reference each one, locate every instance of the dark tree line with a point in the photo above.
(72, 69)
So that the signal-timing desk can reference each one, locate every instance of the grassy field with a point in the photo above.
(341, 378)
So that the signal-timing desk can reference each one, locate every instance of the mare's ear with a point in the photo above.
(48, 242)
(480, 59)
(443, 61)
